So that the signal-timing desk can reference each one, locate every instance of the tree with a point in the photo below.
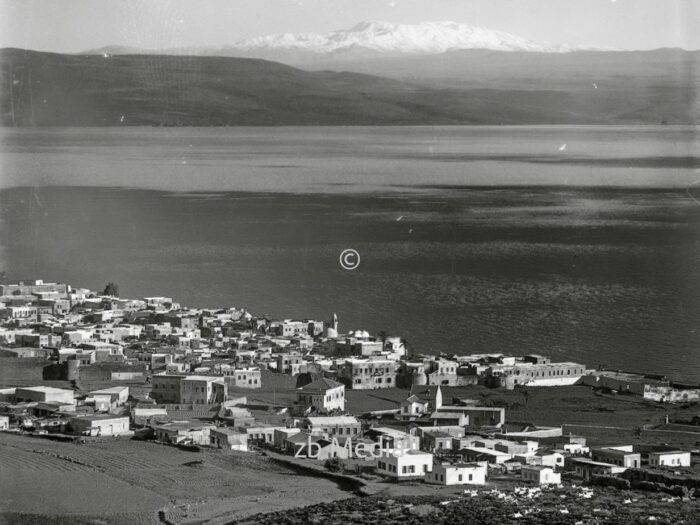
(111, 289)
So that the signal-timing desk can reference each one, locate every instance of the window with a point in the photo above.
(459, 477)
(470, 477)
(403, 469)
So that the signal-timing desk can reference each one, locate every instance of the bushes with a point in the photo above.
(649, 486)
(611, 481)
(680, 491)
(334, 465)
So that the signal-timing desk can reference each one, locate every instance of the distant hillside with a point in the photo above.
(45, 89)
(577, 71)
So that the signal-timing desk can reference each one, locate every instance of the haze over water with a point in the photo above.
(509, 242)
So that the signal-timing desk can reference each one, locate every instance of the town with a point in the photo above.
(84, 365)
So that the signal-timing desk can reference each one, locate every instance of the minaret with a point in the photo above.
(331, 330)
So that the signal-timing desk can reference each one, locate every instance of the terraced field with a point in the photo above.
(125, 481)
(50, 485)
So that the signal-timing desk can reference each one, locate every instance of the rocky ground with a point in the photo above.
(569, 505)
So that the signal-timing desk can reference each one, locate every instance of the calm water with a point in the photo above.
(258, 218)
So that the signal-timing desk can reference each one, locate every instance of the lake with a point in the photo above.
(581, 243)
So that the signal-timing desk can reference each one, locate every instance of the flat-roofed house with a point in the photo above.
(368, 374)
(670, 458)
(229, 439)
(540, 475)
(436, 441)
(166, 387)
(547, 459)
(44, 394)
(100, 425)
(615, 456)
(444, 416)
(405, 465)
(110, 398)
(184, 432)
(262, 434)
(393, 439)
(586, 468)
(248, 377)
(203, 390)
(447, 473)
(238, 417)
(477, 454)
(333, 426)
(280, 434)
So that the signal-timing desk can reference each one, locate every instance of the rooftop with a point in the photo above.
(112, 390)
(536, 467)
(99, 417)
(438, 434)
(202, 378)
(333, 420)
(321, 384)
(184, 425)
(45, 389)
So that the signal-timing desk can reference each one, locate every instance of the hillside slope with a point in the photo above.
(46, 89)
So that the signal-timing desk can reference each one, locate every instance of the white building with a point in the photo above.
(540, 475)
(413, 406)
(44, 394)
(250, 377)
(333, 426)
(229, 439)
(367, 374)
(446, 473)
(395, 348)
(109, 398)
(185, 432)
(391, 439)
(671, 458)
(547, 459)
(409, 464)
(203, 390)
(100, 425)
(4, 422)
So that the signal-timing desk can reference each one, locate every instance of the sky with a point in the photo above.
(78, 25)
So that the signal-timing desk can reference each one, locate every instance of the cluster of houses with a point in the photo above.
(187, 377)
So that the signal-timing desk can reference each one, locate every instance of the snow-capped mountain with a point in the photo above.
(385, 37)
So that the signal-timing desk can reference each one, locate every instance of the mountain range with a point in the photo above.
(372, 74)
(366, 38)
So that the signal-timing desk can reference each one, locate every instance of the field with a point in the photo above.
(126, 482)
(602, 419)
